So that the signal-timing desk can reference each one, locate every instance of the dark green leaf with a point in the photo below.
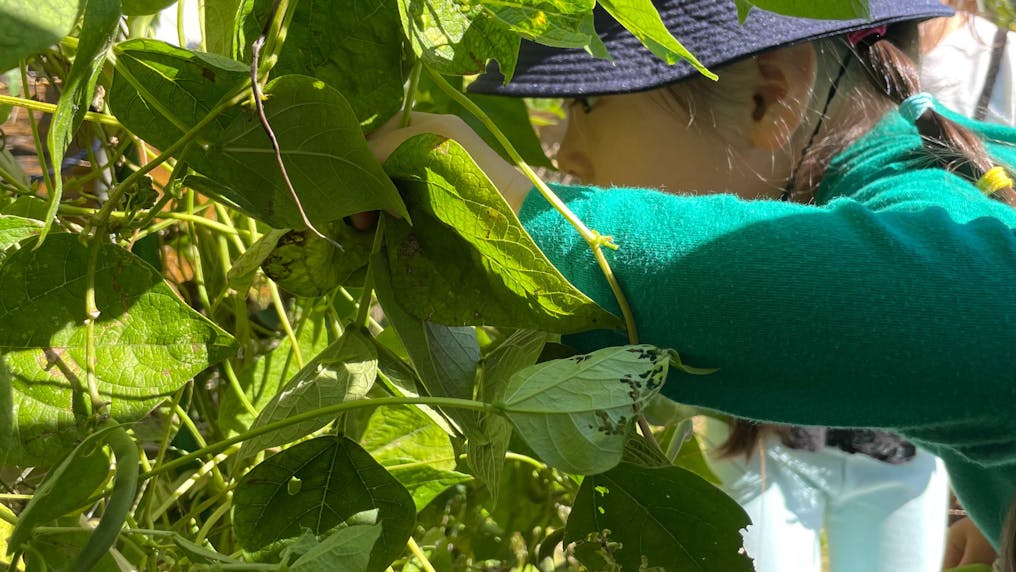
(148, 342)
(643, 21)
(467, 259)
(219, 18)
(100, 23)
(414, 450)
(356, 50)
(325, 152)
(58, 551)
(458, 37)
(30, 26)
(445, 358)
(344, 371)
(305, 264)
(145, 7)
(339, 479)
(656, 517)
(588, 401)
(67, 487)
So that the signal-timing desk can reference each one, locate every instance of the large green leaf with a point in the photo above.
(326, 156)
(828, 10)
(148, 343)
(344, 371)
(356, 49)
(445, 358)
(643, 21)
(486, 450)
(664, 517)
(100, 22)
(556, 23)
(414, 450)
(458, 37)
(30, 26)
(220, 16)
(160, 91)
(588, 402)
(317, 485)
(467, 260)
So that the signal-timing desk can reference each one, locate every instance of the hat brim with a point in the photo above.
(708, 28)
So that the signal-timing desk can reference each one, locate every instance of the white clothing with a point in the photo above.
(954, 71)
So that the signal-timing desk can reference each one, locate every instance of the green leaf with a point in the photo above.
(692, 458)
(219, 19)
(445, 358)
(346, 550)
(305, 264)
(58, 552)
(414, 450)
(338, 480)
(333, 172)
(828, 10)
(588, 401)
(486, 450)
(245, 267)
(467, 260)
(14, 229)
(643, 21)
(556, 23)
(264, 378)
(100, 23)
(458, 37)
(30, 26)
(67, 487)
(344, 371)
(662, 517)
(145, 7)
(356, 50)
(160, 91)
(148, 343)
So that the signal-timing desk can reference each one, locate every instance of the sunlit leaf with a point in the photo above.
(348, 549)
(147, 341)
(467, 260)
(643, 21)
(30, 26)
(828, 10)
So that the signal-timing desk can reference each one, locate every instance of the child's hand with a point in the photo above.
(512, 184)
(965, 545)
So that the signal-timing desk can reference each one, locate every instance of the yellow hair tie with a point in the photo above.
(996, 179)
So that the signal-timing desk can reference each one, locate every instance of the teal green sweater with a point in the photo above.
(891, 303)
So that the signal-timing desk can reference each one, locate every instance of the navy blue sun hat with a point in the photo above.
(708, 28)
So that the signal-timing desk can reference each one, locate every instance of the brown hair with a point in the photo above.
(891, 77)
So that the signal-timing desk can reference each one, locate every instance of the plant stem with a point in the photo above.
(414, 82)
(98, 407)
(50, 108)
(313, 414)
(8, 515)
(363, 310)
(287, 327)
(200, 440)
(418, 553)
(594, 239)
(43, 163)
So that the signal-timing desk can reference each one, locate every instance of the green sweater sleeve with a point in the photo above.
(889, 304)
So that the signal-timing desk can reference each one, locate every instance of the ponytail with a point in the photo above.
(952, 146)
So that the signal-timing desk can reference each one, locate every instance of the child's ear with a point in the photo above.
(782, 95)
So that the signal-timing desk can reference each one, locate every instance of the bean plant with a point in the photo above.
(204, 365)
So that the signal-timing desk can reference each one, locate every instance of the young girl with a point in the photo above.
(883, 301)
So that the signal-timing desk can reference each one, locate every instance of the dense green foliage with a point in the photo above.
(203, 365)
